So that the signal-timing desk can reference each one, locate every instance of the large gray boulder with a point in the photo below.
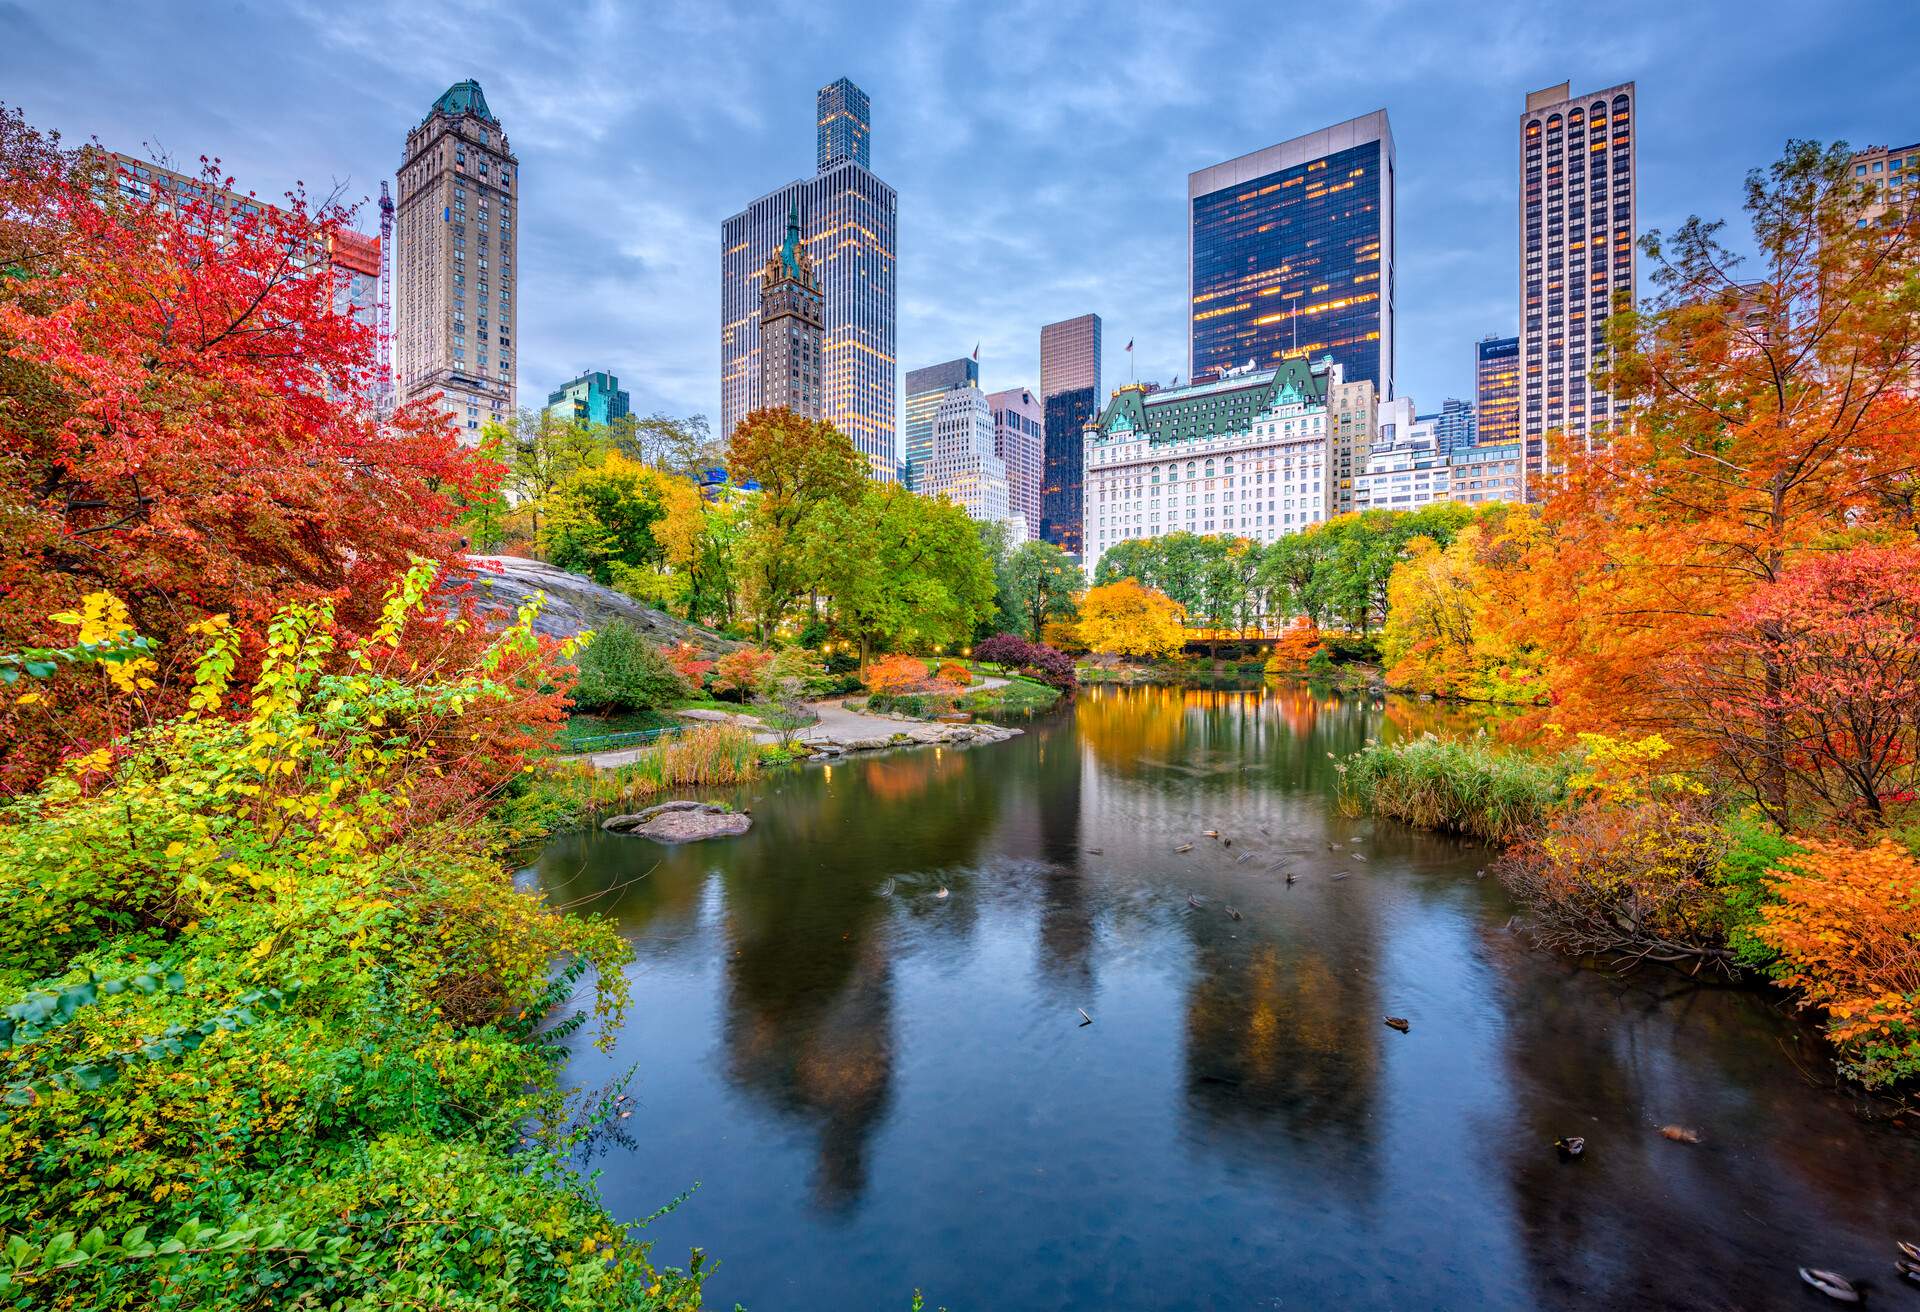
(574, 602)
(680, 822)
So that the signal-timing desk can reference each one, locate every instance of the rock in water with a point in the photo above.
(680, 822)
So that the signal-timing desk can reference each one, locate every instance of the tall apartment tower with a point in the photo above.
(926, 389)
(1070, 399)
(1353, 424)
(1577, 226)
(1290, 255)
(963, 467)
(1019, 439)
(847, 222)
(791, 326)
(1496, 381)
(454, 246)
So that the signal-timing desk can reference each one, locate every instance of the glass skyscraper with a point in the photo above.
(595, 397)
(1290, 254)
(1496, 373)
(1061, 496)
(847, 222)
(926, 388)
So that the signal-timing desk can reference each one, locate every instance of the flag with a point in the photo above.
(976, 353)
(1129, 343)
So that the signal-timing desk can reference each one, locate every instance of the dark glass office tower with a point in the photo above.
(1060, 509)
(1290, 254)
(846, 123)
(1496, 372)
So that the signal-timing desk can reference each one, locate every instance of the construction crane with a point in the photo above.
(383, 386)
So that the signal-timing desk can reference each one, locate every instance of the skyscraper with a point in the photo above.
(847, 222)
(595, 397)
(1019, 439)
(1453, 424)
(1290, 254)
(790, 326)
(963, 467)
(926, 388)
(1496, 376)
(1070, 397)
(1577, 226)
(1070, 356)
(454, 247)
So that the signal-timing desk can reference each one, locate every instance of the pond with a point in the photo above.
(878, 1088)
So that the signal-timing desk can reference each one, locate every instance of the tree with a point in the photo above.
(1772, 416)
(1127, 619)
(541, 451)
(1297, 645)
(800, 464)
(1444, 634)
(600, 518)
(620, 670)
(685, 447)
(698, 539)
(900, 569)
(186, 424)
(1040, 584)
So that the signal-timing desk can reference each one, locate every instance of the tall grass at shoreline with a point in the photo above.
(1456, 785)
(564, 793)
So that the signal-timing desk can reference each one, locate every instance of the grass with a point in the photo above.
(564, 794)
(1456, 785)
(1020, 696)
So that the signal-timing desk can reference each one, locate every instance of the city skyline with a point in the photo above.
(616, 258)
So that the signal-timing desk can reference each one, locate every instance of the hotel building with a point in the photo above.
(1290, 255)
(1577, 230)
(847, 220)
(453, 266)
(1245, 453)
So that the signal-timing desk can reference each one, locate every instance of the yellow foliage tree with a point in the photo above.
(1442, 634)
(1126, 619)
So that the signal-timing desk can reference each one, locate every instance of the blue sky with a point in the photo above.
(1040, 149)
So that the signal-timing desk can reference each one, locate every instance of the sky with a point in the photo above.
(1040, 149)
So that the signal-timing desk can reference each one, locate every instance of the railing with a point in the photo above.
(601, 742)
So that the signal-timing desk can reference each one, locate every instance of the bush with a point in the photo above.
(1845, 926)
(795, 673)
(1635, 879)
(1037, 661)
(1349, 648)
(918, 705)
(1458, 786)
(739, 674)
(1004, 649)
(690, 663)
(953, 673)
(896, 674)
(1752, 850)
(621, 671)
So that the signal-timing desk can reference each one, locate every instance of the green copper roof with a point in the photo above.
(790, 248)
(1219, 406)
(464, 98)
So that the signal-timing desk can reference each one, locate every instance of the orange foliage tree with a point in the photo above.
(1127, 619)
(1766, 414)
(891, 674)
(1297, 644)
(1846, 926)
(185, 424)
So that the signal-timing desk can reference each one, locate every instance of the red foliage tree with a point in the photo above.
(186, 420)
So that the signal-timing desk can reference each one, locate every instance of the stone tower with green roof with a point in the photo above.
(456, 286)
(792, 324)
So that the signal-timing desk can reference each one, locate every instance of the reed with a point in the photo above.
(1456, 785)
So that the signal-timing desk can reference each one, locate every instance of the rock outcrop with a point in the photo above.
(574, 602)
(680, 822)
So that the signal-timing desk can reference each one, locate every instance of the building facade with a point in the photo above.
(1486, 471)
(454, 274)
(1407, 468)
(925, 389)
(1453, 423)
(1892, 175)
(1290, 254)
(1496, 379)
(963, 467)
(1577, 230)
(594, 397)
(1246, 454)
(1019, 439)
(1062, 491)
(1070, 356)
(848, 219)
(1353, 422)
(792, 326)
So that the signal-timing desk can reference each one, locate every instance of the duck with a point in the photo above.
(1400, 1023)
(1339, 874)
(941, 896)
(1095, 851)
(1909, 1271)
(1679, 1134)
(1911, 1250)
(1209, 833)
(1570, 1146)
(1194, 902)
(1232, 914)
(1832, 1284)
(1184, 847)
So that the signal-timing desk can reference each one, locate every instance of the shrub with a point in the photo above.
(1298, 644)
(795, 674)
(1459, 786)
(1005, 649)
(953, 673)
(1636, 879)
(1753, 849)
(690, 663)
(895, 674)
(621, 671)
(738, 674)
(1348, 648)
(918, 705)
(1845, 926)
(1050, 666)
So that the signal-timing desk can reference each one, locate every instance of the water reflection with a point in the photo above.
(881, 1088)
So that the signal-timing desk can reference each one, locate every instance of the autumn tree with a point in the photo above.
(600, 518)
(1772, 405)
(1040, 583)
(186, 421)
(539, 451)
(1127, 619)
(1443, 634)
(800, 464)
(698, 538)
(899, 569)
(1296, 646)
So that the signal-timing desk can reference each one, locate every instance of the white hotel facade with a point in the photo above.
(1245, 454)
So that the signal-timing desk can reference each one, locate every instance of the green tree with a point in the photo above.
(800, 465)
(541, 452)
(1038, 584)
(620, 670)
(679, 446)
(600, 519)
(900, 569)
